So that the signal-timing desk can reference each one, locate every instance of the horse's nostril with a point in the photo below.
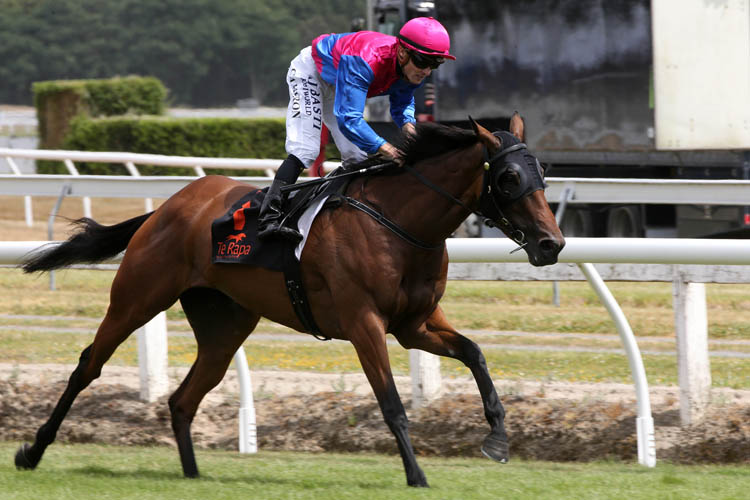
(550, 246)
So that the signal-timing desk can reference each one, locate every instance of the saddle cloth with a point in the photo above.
(234, 236)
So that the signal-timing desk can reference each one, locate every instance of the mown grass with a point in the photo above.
(74, 472)
(527, 306)
(339, 357)
(506, 306)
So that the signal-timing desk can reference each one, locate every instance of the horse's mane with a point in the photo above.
(431, 139)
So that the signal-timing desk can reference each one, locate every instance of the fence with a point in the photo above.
(689, 295)
(571, 190)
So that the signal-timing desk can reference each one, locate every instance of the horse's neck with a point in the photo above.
(423, 212)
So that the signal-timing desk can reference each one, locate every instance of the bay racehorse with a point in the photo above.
(363, 279)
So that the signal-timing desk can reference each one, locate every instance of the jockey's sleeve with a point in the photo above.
(353, 80)
(402, 103)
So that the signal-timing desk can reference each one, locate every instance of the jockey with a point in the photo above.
(329, 83)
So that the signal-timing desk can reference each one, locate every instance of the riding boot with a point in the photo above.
(271, 214)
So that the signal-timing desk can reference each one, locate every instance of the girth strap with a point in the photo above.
(297, 293)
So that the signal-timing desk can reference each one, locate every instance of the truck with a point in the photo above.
(608, 89)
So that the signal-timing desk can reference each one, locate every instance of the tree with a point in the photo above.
(207, 52)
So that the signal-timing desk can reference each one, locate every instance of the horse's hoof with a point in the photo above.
(419, 484)
(22, 458)
(496, 448)
(191, 474)
(418, 481)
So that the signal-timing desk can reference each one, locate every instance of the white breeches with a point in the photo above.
(310, 105)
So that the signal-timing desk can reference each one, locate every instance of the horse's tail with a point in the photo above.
(92, 243)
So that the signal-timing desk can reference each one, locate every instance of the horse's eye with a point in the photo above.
(509, 182)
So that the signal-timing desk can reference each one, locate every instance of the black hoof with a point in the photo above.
(418, 480)
(191, 473)
(22, 458)
(496, 448)
(419, 484)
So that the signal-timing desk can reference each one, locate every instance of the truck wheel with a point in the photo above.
(624, 222)
(577, 222)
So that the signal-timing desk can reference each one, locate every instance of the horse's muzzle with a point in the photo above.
(544, 252)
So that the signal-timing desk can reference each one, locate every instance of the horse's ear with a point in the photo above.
(517, 126)
(474, 125)
(484, 135)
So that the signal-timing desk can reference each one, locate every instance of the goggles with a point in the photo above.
(423, 61)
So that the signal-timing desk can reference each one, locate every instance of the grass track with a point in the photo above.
(104, 472)
(491, 305)
(339, 357)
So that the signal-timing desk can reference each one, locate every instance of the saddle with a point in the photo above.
(234, 238)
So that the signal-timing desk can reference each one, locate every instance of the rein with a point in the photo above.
(328, 178)
(362, 207)
(490, 164)
(392, 226)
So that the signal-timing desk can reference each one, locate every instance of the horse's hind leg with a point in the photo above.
(437, 336)
(28, 456)
(111, 334)
(130, 308)
(220, 326)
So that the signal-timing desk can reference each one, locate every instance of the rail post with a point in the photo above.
(86, 200)
(152, 358)
(693, 365)
(644, 422)
(27, 208)
(424, 368)
(248, 429)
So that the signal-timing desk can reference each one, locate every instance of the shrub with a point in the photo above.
(205, 137)
(58, 102)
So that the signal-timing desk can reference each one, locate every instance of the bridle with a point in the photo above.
(490, 209)
(490, 200)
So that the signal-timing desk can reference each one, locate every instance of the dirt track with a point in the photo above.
(312, 412)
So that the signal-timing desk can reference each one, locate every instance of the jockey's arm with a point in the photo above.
(352, 85)
(353, 81)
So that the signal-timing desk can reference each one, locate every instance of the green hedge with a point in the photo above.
(58, 102)
(207, 137)
(114, 96)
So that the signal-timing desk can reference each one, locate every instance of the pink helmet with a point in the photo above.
(427, 36)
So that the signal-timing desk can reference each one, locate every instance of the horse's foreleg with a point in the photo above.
(438, 337)
(373, 355)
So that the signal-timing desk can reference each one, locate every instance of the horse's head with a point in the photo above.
(513, 194)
